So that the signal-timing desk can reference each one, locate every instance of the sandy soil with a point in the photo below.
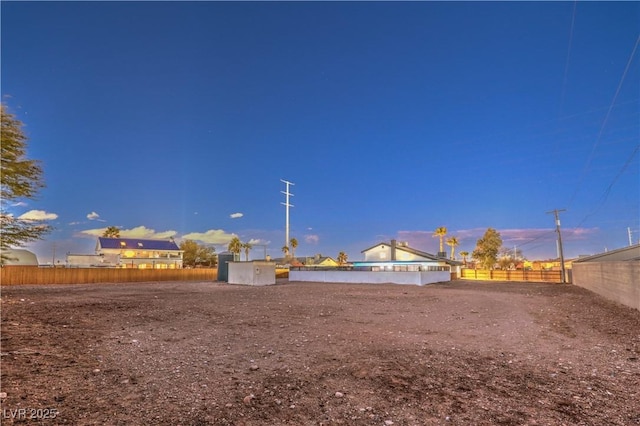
(460, 353)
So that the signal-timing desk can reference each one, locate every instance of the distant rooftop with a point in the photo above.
(137, 244)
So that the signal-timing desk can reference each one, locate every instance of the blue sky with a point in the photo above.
(171, 119)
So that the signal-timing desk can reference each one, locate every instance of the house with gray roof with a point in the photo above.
(393, 262)
(399, 256)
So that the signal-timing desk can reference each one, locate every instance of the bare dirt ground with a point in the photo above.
(460, 353)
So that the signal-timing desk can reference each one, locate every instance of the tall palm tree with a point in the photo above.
(294, 244)
(285, 250)
(235, 246)
(464, 255)
(440, 233)
(342, 258)
(453, 243)
(247, 247)
(111, 232)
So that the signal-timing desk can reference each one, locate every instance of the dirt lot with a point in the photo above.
(461, 353)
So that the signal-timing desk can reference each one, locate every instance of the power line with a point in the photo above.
(545, 234)
(566, 64)
(604, 122)
(607, 191)
(556, 214)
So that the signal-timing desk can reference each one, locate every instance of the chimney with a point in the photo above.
(393, 249)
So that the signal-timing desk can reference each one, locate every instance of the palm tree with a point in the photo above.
(464, 255)
(235, 246)
(285, 250)
(440, 232)
(342, 258)
(453, 243)
(246, 247)
(294, 244)
(111, 232)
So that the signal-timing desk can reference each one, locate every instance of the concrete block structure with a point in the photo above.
(255, 273)
(614, 275)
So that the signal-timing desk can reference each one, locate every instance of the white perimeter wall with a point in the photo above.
(617, 281)
(367, 277)
(252, 273)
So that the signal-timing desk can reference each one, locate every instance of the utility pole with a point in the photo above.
(287, 205)
(264, 246)
(556, 214)
(630, 239)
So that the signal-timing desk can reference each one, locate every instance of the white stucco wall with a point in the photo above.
(379, 253)
(367, 277)
(618, 280)
(382, 253)
(252, 273)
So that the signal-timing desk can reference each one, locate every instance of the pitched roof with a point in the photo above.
(416, 252)
(137, 244)
(317, 260)
(292, 261)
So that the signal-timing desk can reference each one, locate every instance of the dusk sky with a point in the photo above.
(179, 119)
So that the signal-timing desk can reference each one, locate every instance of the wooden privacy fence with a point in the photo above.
(517, 275)
(17, 275)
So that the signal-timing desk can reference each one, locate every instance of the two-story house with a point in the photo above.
(141, 254)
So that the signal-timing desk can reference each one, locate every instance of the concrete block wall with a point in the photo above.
(617, 281)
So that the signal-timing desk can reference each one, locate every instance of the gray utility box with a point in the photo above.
(257, 272)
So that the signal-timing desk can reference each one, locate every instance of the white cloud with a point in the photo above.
(141, 232)
(93, 232)
(94, 216)
(19, 204)
(311, 239)
(468, 238)
(522, 235)
(212, 236)
(578, 233)
(38, 215)
(236, 215)
(258, 241)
